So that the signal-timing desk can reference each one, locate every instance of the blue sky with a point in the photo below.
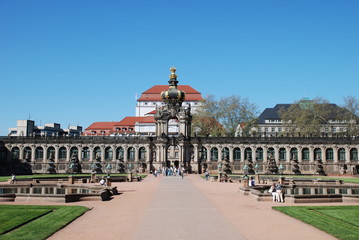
(78, 62)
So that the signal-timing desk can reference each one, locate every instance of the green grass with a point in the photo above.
(35, 222)
(339, 221)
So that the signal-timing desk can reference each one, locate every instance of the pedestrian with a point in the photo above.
(206, 174)
(279, 189)
(13, 179)
(273, 191)
(252, 182)
(102, 181)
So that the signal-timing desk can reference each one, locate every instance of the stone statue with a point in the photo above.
(294, 165)
(248, 162)
(74, 166)
(318, 167)
(271, 165)
(120, 166)
(96, 166)
(51, 164)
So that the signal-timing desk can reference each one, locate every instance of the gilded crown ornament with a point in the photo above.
(173, 72)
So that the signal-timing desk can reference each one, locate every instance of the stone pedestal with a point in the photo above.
(108, 182)
(256, 179)
(245, 183)
(129, 177)
(93, 178)
(71, 179)
(281, 180)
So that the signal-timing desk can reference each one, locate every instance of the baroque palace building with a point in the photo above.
(120, 153)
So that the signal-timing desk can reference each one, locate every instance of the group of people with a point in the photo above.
(277, 192)
(170, 171)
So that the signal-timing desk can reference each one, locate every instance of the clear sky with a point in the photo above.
(78, 62)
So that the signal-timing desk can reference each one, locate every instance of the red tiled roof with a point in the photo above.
(129, 121)
(153, 94)
(153, 112)
(101, 125)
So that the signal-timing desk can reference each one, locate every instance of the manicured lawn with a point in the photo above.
(35, 222)
(339, 221)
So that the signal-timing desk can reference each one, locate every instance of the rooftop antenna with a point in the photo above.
(29, 116)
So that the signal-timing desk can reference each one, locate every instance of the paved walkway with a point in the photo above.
(192, 208)
(180, 211)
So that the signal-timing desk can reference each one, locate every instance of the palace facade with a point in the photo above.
(120, 153)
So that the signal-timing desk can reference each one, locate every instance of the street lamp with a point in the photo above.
(256, 167)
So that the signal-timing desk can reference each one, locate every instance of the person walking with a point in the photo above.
(279, 191)
(273, 191)
(13, 179)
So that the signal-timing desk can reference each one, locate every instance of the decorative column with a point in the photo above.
(335, 153)
(276, 154)
(231, 154)
(347, 155)
(311, 154)
(287, 153)
(254, 157)
(300, 155)
(265, 154)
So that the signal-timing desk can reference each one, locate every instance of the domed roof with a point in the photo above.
(173, 95)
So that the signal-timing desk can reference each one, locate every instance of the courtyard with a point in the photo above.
(189, 208)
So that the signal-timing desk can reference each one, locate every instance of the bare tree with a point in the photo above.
(229, 112)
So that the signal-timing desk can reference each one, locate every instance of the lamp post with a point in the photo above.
(281, 169)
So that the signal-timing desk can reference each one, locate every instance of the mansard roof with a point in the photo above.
(272, 113)
(154, 93)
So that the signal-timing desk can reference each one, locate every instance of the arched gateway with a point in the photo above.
(173, 146)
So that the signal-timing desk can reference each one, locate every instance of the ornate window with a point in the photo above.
(39, 153)
(97, 153)
(236, 154)
(51, 153)
(202, 153)
(85, 155)
(120, 153)
(282, 154)
(259, 154)
(27, 153)
(142, 153)
(341, 154)
(74, 151)
(318, 153)
(15, 153)
(108, 153)
(214, 154)
(248, 153)
(305, 154)
(294, 154)
(270, 152)
(225, 154)
(62, 153)
(131, 154)
(354, 154)
(329, 154)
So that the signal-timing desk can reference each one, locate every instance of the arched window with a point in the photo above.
(131, 154)
(203, 153)
(282, 154)
(329, 154)
(39, 153)
(354, 154)
(15, 153)
(85, 155)
(237, 154)
(317, 154)
(97, 153)
(51, 153)
(108, 153)
(62, 153)
(214, 154)
(341, 154)
(142, 153)
(27, 153)
(294, 154)
(248, 153)
(120, 153)
(305, 154)
(225, 154)
(270, 152)
(74, 152)
(259, 154)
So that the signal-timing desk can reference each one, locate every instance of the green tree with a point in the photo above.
(229, 112)
(351, 104)
(311, 117)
